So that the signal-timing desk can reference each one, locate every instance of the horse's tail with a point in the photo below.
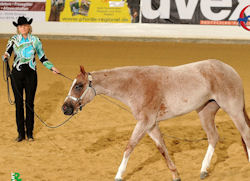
(248, 123)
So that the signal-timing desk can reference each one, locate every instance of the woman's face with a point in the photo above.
(24, 29)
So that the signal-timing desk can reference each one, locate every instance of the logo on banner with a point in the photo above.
(15, 176)
(243, 20)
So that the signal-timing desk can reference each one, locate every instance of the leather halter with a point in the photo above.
(78, 100)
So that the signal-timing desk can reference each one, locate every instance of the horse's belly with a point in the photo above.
(176, 106)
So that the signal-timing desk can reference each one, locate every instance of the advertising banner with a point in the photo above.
(202, 12)
(206, 12)
(10, 10)
(96, 11)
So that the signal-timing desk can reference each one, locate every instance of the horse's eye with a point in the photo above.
(79, 86)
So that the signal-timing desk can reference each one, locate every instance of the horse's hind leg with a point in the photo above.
(234, 106)
(247, 148)
(155, 134)
(241, 122)
(207, 114)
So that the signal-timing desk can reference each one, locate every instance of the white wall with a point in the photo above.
(134, 30)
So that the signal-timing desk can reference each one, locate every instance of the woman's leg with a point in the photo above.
(30, 91)
(17, 87)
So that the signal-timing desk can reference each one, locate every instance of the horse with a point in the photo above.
(156, 93)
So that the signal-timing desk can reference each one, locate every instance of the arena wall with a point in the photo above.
(134, 30)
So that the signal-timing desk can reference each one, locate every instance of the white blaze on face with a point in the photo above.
(70, 90)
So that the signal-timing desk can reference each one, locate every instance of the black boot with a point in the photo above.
(20, 138)
(30, 137)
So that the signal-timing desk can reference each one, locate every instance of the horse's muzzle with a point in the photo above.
(67, 109)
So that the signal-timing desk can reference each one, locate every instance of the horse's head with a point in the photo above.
(80, 93)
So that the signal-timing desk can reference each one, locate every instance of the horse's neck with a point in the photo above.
(111, 83)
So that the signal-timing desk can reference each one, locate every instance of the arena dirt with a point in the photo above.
(90, 147)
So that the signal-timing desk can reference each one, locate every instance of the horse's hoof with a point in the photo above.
(118, 179)
(203, 175)
(177, 179)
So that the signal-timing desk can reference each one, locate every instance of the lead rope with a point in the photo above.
(7, 75)
(118, 105)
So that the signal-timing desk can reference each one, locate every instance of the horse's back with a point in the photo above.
(180, 89)
(223, 83)
(213, 71)
(213, 74)
(221, 75)
(190, 86)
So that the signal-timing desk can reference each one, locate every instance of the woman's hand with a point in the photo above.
(6, 55)
(55, 70)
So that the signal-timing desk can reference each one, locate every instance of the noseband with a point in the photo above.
(78, 100)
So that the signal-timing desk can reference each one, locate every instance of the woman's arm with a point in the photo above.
(39, 50)
(48, 64)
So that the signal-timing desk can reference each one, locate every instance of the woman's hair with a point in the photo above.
(30, 30)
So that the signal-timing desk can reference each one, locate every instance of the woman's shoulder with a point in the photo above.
(14, 38)
(35, 40)
(34, 37)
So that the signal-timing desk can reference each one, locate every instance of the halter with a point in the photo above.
(78, 100)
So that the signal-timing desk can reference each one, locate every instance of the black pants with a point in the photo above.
(24, 80)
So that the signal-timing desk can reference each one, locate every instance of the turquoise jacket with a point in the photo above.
(25, 51)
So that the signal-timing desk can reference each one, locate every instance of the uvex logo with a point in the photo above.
(243, 20)
(186, 10)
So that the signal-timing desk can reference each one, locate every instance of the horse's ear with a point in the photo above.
(82, 69)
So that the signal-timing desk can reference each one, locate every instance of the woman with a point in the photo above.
(24, 75)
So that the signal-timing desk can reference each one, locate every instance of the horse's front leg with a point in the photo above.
(156, 136)
(140, 130)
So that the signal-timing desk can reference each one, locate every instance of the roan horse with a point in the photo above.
(156, 93)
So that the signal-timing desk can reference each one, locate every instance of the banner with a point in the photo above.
(95, 11)
(10, 10)
(203, 12)
(206, 12)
